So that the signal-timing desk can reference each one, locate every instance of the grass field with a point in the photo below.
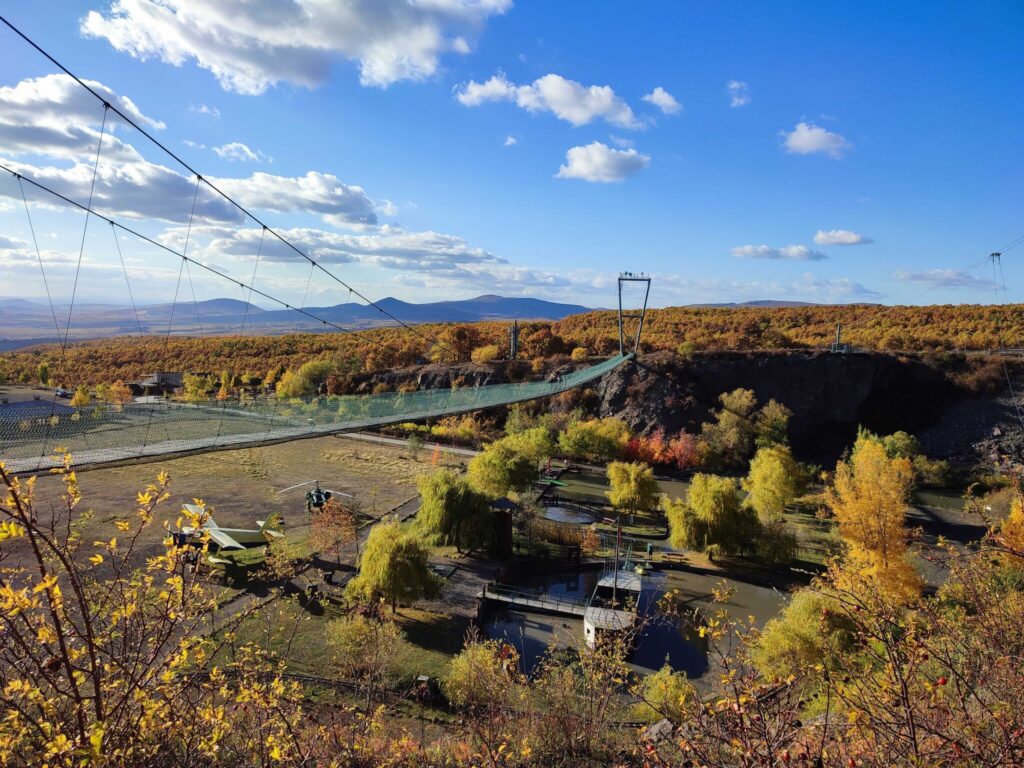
(242, 486)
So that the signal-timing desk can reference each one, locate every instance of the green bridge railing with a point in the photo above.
(33, 436)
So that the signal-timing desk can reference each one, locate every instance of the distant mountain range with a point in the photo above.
(24, 322)
(757, 303)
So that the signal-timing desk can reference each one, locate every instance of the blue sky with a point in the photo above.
(430, 149)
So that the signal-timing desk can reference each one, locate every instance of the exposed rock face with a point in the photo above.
(437, 376)
(830, 395)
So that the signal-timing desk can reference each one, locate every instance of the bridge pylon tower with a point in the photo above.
(631, 322)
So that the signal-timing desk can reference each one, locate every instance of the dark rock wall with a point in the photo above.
(830, 395)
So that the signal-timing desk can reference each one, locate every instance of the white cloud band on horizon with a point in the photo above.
(945, 278)
(785, 253)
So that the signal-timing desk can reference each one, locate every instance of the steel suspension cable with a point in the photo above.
(39, 256)
(78, 266)
(225, 196)
(168, 249)
(128, 283)
(252, 281)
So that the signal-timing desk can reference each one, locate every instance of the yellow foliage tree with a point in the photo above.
(869, 497)
(485, 354)
(633, 487)
(82, 397)
(98, 656)
(773, 482)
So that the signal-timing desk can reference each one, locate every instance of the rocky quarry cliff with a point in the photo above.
(959, 407)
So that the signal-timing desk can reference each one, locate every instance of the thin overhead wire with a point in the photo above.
(128, 119)
(182, 256)
(39, 255)
(256, 266)
(127, 281)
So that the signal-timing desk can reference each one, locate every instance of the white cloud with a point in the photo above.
(53, 115)
(664, 101)
(599, 162)
(11, 243)
(250, 45)
(840, 237)
(621, 141)
(130, 189)
(323, 194)
(193, 144)
(945, 278)
(681, 289)
(786, 253)
(566, 99)
(809, 139)
(388, 247)
(739, 93)
(203, 109)
(511, 141)
(237, 151)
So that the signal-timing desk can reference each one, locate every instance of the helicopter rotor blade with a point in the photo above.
(293, 487)
(338, 493)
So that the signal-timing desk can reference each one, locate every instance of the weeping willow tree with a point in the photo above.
(393, 568)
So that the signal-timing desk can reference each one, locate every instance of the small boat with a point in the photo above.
(613, 606)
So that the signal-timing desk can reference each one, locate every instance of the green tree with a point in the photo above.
(44, 374)
(594, 440)
(730, 437)
(773, 482)
(664, 694)
(499, 469)
(536, 443)
(900, 445)
(713, 518)
(811, 630)
(195, 387)
(367, 650)
(633, 487)
(771, 425)
(82, 397)
(274, 375)
(452, 512)
(482, 675)
(394, 568)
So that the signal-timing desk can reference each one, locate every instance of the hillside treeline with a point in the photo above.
(684, 330)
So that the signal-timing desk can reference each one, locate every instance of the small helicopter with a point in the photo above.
(226, 539)
(317, 497)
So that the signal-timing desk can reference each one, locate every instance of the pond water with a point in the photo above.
(574, 516)
(671, 640)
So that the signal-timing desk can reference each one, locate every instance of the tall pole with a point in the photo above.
(622, 346)
(615, 564)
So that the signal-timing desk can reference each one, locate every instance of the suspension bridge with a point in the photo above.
(35, 436)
